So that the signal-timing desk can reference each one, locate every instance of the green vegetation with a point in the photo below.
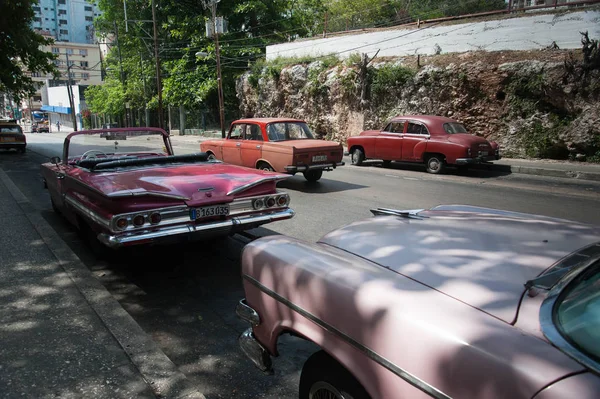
(388, 80)
(20, 47)
(543, 141)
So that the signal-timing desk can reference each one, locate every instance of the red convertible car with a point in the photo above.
(276, 144)
(137, 191)
(435, 141)
(450, 302)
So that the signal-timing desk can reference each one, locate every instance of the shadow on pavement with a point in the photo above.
(479, 171)
(323, 186)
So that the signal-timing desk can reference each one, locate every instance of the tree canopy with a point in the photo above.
(252, 25)
(20, 49)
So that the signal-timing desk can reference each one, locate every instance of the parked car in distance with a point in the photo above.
(276, 144)
(140, 192)
(435, 141)
(451, 302)
(12, 136)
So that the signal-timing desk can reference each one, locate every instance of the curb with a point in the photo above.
(528, 170)
(159, 372)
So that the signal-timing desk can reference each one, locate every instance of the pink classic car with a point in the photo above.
(125, 187)
(451, 302)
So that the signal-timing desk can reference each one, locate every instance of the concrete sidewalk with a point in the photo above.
(62, 334)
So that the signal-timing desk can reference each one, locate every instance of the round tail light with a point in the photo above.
(122, 223)
(138, 220)
(258, 203)
(282, 200)
(155, 218)
(270, 202)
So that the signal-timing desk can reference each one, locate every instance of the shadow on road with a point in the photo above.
(480, 171)
(323, 186)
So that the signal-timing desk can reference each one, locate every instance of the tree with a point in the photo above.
(20, 49)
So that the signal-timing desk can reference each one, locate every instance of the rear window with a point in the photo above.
(452, 128)
(10, 129)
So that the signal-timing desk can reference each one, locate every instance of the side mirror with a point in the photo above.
(55, 160)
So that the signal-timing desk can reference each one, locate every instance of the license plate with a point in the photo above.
(8, 139)
(319, 158)
(484, 153)
(209, 211)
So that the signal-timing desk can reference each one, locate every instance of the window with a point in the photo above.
(62, 12)
(416, 128)
(89, 18)
(85, 75)
(37, 98)
(62, 21)
(72, 75)
(71, 63)
(46, 19)
(395, 127)
(55, 50)
(253, 133)
(65, 32)
(288, 131)
(452, 128)
(36, 75)
(578, 312)
(83, 64)
(37, 19)
(37, 9)
(62, 1)
(88, 8)
(83, 51)
(69, 50)
(237, 133)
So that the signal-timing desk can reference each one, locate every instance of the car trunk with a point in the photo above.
(201, 184)
(479, 146)
(12, 137)
(314, 151)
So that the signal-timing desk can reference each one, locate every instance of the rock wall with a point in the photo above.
(535, 104)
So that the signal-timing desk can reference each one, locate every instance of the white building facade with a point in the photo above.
(66, 20)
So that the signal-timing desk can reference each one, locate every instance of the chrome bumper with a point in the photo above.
(216, 228)
(249, 345)
(325, 166)
(470, 161)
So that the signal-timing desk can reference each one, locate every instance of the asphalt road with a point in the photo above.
(184, 296)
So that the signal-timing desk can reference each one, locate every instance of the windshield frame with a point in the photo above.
(548, 315)
(165, 135)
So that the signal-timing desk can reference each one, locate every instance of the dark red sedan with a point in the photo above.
(435, 141)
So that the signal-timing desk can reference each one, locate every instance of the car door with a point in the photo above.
(231, 148)
(415, 133)
(251, 150)
(388, 145)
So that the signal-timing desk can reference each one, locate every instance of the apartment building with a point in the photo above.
(66, 20)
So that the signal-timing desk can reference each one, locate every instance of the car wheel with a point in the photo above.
(357, 157)
(323, 377)
(435, 164)
(99, 250)
(265, 166)
(313, 175)
(386, 163)
(211, 157)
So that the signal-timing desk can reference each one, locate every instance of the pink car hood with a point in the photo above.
(480, 259)
(188, 182)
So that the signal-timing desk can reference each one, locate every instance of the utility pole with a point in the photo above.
(146, 113)
(70, 94)
(213, 7)
(158, 80)
(126, 119)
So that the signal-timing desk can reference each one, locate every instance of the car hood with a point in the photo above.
(306, 145)
(480, 259)
(464, 138)
(195, 184)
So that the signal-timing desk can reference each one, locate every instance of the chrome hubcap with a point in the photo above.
(434, 164)
(324, 390)
(354, 157)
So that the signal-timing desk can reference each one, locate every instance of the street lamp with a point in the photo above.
(202, 54)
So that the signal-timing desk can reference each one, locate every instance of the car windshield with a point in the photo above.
(453, 128)
(123, 148)
(281, 131)
(578, 313)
